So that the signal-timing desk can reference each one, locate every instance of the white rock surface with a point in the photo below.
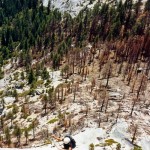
(9, 100)
(74, 6)
(56, 78)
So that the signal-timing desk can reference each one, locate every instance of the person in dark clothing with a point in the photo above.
(68, 142)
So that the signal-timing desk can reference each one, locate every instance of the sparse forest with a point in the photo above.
(65, 73)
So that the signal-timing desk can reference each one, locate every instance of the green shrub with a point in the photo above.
(110, 142)
(1, 74)
(48, 83)
(16, 76)
(67, 113)
(25, 93)
(25, 115)
(15, 109)
(91, 146)
(118, 146)
(1, 93)
(9, 106)
(39, 82)
(47, 141)
(32, 91)
(53, 120)
(21, 85)
(137, 148)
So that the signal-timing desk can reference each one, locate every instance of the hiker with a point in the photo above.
(68, 142)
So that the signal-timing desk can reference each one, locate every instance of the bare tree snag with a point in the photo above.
(142, 84)
(134, 134)
(107, 101)
(102, 105)
(108, 76)
(134, 82)
(134, 102)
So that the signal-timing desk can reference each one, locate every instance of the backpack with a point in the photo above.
(72, 143)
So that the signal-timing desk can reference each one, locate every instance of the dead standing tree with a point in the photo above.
(125, 70)
(81, 61)
(130, 74)
(133, 85)
(118, 111)
(103, 59)
(133, 105)
(107, 72)
(74, 93)
(134, 133)
(142, 85)
(107, 101)
(93, 83)
(101, 101)
(103, 97)
(32, 126)
(133, 129)
(73, 60)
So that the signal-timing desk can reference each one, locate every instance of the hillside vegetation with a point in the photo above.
(61, 73)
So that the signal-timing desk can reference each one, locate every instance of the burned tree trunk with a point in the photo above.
(140, 87)
(134, 134)
(134, 102)
(108, 76)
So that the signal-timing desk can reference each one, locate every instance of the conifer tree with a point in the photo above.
(7, 135)
(1, 73)
(26, 134)
(10, 116)
(17, 132)
(45, 74)
(31, 77)
(45, 101)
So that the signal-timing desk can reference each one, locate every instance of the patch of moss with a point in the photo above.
(48, 83)
(24, 116)
(1, 93)
(67, 113)
(60, 115)
(118, 147)
(29, 128)
(25, 93)
(16, 76)
(38, 83)
(91, 146)
(53, 120)
(9, 106)
(5, 62)
(47, 141)
(137, 148)
(29, 119)
(110, 142)
(101, 145)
